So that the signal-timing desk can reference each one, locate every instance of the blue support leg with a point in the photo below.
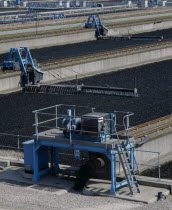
(156, 2)
(56, 162)
(113, 174)
(36, 175)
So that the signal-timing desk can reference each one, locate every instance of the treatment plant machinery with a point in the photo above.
(20, 59)
(81, 128)
(101, 32)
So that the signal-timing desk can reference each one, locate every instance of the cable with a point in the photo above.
(52, 75)
(88, 77)
(59, 77)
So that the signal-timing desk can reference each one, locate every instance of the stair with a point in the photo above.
(124, 158)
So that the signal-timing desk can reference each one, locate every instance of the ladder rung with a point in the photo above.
(134, 182)
(131, 175)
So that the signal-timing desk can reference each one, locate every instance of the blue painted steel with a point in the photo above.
(121, 184)
(156, 2)
(56, 164)
(17, 2)
(44, 171)
(36, 174)
(111, 154)
(23, 61)
(113, 174)
(28, 156)
(102, 138)
(74, 146)
(93, 21)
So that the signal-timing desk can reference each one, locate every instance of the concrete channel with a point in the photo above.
(93, 66)
(40, 41)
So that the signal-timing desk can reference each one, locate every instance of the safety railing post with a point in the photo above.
(105, 142)
(92, 109)
(36, 124)
(74, 111)
(159, 167)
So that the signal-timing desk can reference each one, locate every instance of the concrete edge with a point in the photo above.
(154, 182)
(123, 197)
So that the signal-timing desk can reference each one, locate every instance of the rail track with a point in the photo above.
(150, 127)
(99, 55)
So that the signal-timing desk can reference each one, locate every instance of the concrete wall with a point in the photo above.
(146, 27)
(44, 41)
(162, 144)
(9, 82)
(88, 67)
(113, 63)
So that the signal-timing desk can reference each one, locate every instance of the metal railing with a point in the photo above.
(55, 118)
(150, 165)
(13, 142)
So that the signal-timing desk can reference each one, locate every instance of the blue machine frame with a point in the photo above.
(23, 61)
(49, 140)
(111, 154)
(93, 21)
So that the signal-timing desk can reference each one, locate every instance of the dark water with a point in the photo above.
(165, 171)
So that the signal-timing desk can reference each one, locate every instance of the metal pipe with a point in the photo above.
(146, 151)
(6, 134)
(44, 122)
(36, 124)
(10, 147)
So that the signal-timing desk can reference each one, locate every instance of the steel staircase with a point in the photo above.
(124, 158)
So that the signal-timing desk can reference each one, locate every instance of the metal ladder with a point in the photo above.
(124, 158)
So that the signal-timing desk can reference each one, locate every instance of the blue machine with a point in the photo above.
(93, 132)
(94, 21)
(94, 126)
(101, 32)
(21, 59)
